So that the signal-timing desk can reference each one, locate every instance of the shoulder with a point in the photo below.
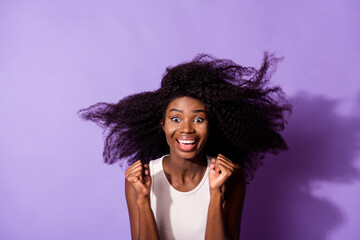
(157, 160)
(156, 164)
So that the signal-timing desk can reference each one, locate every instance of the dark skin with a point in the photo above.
(186, 128)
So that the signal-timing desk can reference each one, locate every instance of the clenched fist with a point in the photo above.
(221, 169)
(138, 175)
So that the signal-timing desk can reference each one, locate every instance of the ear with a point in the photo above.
(162, 123)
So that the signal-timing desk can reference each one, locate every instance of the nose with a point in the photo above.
(187, 127)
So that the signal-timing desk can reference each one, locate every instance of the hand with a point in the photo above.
(138, 175)
(221, 169)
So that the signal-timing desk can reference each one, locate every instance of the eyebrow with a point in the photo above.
(181, 111)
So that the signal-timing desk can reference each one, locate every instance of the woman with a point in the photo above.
(192, 144)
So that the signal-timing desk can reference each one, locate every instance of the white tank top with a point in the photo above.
(178, 215)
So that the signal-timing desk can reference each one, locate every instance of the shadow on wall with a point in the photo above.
(322, 146)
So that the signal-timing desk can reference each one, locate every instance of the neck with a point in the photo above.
(185, 167)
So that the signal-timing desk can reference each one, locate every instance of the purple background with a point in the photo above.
(59, 56)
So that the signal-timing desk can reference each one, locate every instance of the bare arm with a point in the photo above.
(137, 190)
(227, 193)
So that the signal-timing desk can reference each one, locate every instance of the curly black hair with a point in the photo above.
(245, 113)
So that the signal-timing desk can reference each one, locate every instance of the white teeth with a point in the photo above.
(186, 141)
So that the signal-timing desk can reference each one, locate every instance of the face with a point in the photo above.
(186, 127)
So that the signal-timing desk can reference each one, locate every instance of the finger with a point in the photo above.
(147, 180)
(217, 168)
(222, 157)
(146, 169)
(137, 163)
(141, 176)
(132, 179)
(212, 167)
(212, 164)
(143, 173)
(231, 163)
(134, 165)
(225, 171)
(135, 168)
(137, 174)
(135, 171)
(225, 159)
(147, 176)
(227, 165)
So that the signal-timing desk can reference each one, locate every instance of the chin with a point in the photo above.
(188, 155)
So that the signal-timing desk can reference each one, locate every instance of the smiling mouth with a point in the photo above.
(186, 145)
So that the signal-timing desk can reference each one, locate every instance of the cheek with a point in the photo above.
(204, 131)
(169, 132)
(169, 129)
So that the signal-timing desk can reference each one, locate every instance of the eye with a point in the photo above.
(198, 120)
(175, 119)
